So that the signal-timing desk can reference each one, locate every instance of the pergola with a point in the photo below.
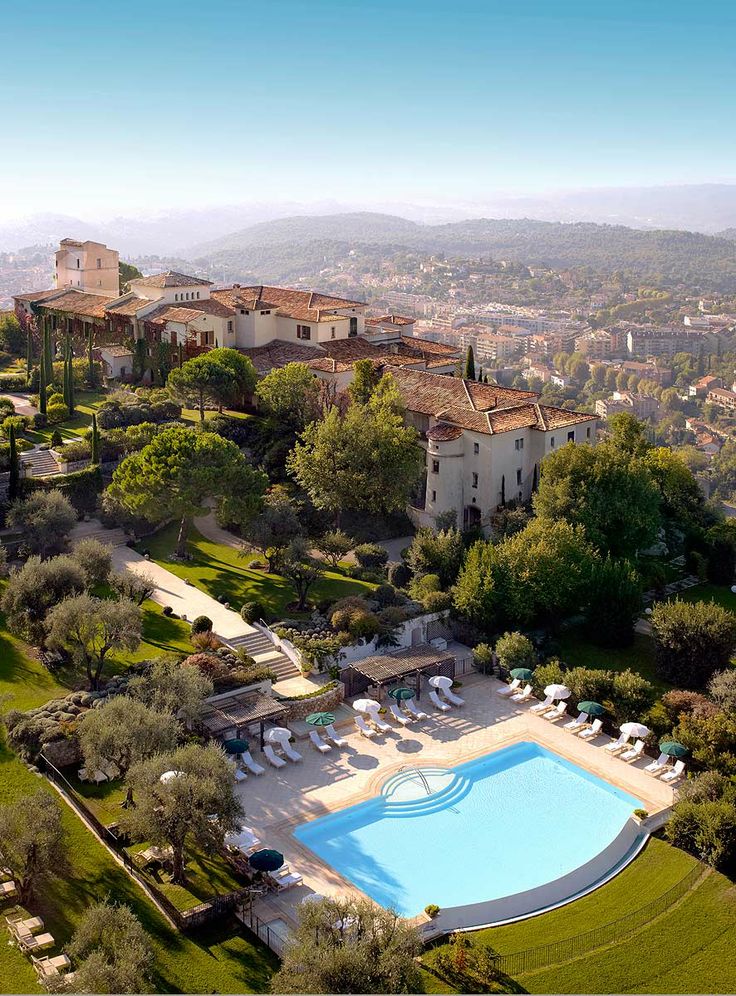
(402, 666)
(233, 716)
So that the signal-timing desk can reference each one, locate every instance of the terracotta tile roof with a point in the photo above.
(443, 431)
(78, 303)
(32, 296)
(306, 306)
(173, 313)
(129, 306)
(116, 350)
(426, 346)
(278, 353)
(171, 278)
(390, 320)
(432, 393)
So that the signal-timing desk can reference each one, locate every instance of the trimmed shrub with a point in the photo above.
(371, 556)
(252, 611)
(57, 413)
(692, 641)
(385, 594)
(515, 650)
(202, 624)
(399, 575)
(705, 829)
(483, 658)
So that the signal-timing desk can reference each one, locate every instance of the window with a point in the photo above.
(265, 312)
(332, 332)
(176, 297)
(243, 311)
(552, 443)
(198, 295)
(519, 444)
(476, 448)
(229, 326)
(434, 496)
(587, 433)
(99, 264)
(353, 327)
(77, 264)
(475, 480)
(571, 436)
(435, 466)
(303, 332)
(518, 475)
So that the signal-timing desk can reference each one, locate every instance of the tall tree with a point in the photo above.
(33, 590)
(48, 352)
(32, 840)
(42, 385)
(202, 382)
(177, 472)
(366, 375)
(245, 375)
(95, 441)
(126, 731)
(90, 358)
(29, 356)
(14, 468)
(302, 569)
(112, 952)
(289, 395)
(692, 641)
(469, 373)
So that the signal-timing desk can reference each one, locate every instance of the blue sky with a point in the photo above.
(110, 108)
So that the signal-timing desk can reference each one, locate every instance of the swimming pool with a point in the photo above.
(506, 823)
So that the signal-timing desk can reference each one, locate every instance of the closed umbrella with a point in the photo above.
(366, 705)
(634, 729)
(266, 860)
(440, 681)
(558, 691)
(235, 746)
(320, 718)
(592, 708)
(673, 749)
(521, 673)
(402, 693)
(278, 734)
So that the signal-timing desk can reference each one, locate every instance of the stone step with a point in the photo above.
(39, 463)
(110, 537)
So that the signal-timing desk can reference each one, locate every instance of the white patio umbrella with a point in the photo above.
(366, 705)
(634, 729)
(278, 734)
(558, 691)
(440, 681)
(168, 775)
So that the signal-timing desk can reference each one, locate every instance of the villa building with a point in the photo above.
(484, 444)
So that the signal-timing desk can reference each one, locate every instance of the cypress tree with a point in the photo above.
(29, 357)
(480, 375)
(65, 377)
(42, 386)
(90, 359)
(95, 441)
(181, 355)
(48, 355)
(14, 481)
(470, 365)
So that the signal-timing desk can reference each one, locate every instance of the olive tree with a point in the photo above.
(32, 841)
(125, 731)
(112, 952)
(35, 589)
(95, 559)
(168, 687)
(45, 518)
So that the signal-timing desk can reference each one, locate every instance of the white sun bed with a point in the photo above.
(251, 765)
(411, 707)
(633, 752)
(286, 881)
(614, 745)
(659, 765)
(510, 689)
(580, 721)
(543, 706)
(8, 889)
(364, 728)
(379, 724)
(335, 737)
(272, 756)
(437, 702)
(592, 731)
(677, 772)
(292, 754)
(240, 776)
(451, 697)
(322, 746)
(523, 695)
(557, 713)
(398, 715)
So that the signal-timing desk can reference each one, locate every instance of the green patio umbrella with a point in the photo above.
(521, 673)
(235, 746)
(402, 693)
(320, 718)
(592, 708)
(266, 860)
(673, 749)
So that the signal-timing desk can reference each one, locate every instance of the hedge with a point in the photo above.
(82, 487)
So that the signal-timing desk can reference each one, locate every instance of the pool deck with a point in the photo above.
(280, 800)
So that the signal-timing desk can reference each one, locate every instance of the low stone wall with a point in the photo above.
(326, 702)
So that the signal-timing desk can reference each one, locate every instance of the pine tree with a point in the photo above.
(470, 365)
(95, 441)
(14, 479)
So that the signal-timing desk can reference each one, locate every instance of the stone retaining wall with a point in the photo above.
(326, 702)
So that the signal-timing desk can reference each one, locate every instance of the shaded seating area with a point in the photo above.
(237, 714)
(407, 666)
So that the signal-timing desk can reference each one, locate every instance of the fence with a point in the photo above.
(581, 944)
(265, 932)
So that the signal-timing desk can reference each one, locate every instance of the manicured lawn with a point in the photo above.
(87, 402)
(24, 682)
(161, 635)
(699, 956)
(720, 594)
(219, 570)
(575, 649)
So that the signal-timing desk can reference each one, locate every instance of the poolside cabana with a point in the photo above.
(403, 666)
(235, 716)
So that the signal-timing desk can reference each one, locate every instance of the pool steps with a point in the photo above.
(423, 804)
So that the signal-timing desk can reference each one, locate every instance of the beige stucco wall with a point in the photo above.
(77, 266)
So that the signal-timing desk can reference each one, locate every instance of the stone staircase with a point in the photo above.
(260, 648)
(39, 463)
(95, 530)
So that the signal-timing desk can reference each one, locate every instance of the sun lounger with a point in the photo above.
(251, 765)
(335, 737)
(37, 942)
(580, 721)
(677, 772)
(633, 752)
(412, 708)
(286, 881)
(557, 713)
(592, 731)
(543, 706)
(659, 765)
(96, 776)
(510, 689)
(614, 745)
(47, 967)
(8, 890)
(437, 702)
(451, 697)
(239, 776)
(273, 758)
(292, 754)
(28, 927)
(379, 724)
(523, 695)
(398, 715)
(322, 746)
(364, 728)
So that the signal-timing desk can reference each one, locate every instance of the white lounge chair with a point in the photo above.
(8, 890)
(398, 715)
(659, 765)
(523, 695)
(364, 728)
(677, 772)
(510, 689)
(451, 697)
(273, 758)
(413, 709)
(592, 731)
(614, 745)
(557, 713)
(286, 881)
(633, 752)
(292, 754)
(379, 724)
(335, 737)
(240, 776)
(37, 942)
(437, 702)
(543, 706)
(322, 746)
(251, 765)
(580, 721)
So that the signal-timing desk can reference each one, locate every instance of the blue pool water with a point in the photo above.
(504, 823)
